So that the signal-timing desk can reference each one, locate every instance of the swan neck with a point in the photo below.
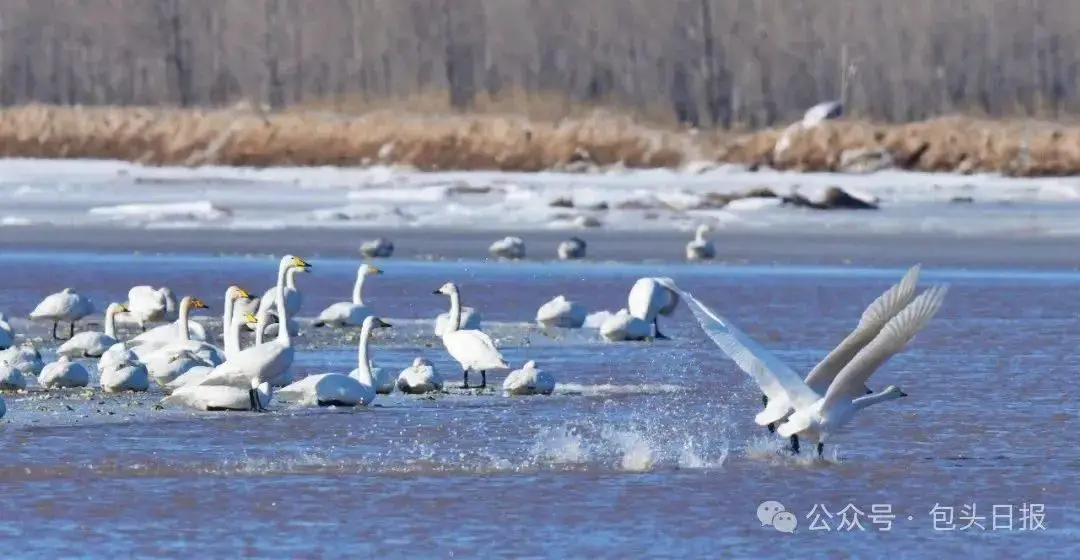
(232, 334)
(283, 314)
(110, 323)
(455, 312)
(182, 320)
(362, 364)
(358, 289)
(226, 317)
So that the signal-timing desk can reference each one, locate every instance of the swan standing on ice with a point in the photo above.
(377, 248)
(572, 249)
(651, 297)
(817, 416)
(146, 304)
(561, 312)
(509, 247)
(65, 305)
(24, 357)
(700, 248)
(624, 326)
(294, 300)
(529, 381)
(346, 313)
(419, 378)
(64, 373)
(472, 349)
(470, 320)
(336, 389)
(220, 398)
(7, 334)
(92, 344)
(268, 362)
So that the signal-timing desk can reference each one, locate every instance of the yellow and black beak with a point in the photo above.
(301, 263)
(382, 324)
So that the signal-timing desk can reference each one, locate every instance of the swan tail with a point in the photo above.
(893, 301)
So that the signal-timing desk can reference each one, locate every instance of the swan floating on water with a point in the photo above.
(419, 378)
(473, 349)
(349, 313)
(220, 398)
(65, 305)
(572, 249)
(624, 326)
(509, 247)
(146, 304)
(377, 248)
(701, 248)
(561, 312)
(336, 389)
(818, 416)
(529, 381)
(268, 362)
(92, 344)
(64, 373)
(651, 297)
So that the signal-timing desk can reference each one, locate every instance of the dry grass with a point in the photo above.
(558, 138)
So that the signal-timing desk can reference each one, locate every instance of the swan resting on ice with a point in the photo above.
(529, 381)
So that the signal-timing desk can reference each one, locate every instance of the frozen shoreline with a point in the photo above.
(44, 194)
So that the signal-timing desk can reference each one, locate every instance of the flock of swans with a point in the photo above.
(177, 356)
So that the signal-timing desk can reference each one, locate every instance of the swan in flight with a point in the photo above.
(11, 379)
(781, 384)
(624, 326)
(651, 297)
(92, 344)
(529, 381)
(24, 357)
(294, 300)
(349, 313)
(65, 305)
(146, 304)
(571, 249)
(377, 248)
(421, 377)
(700, 248)
(509, 247)
(268, 362)
(219, 398)
(7, 334)
(335, 389)
(561, 312)
(473, 349)
(64, 373)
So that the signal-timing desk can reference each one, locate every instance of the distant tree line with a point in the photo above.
(704, 62)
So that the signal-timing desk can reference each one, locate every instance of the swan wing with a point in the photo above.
(774, 377)
(265, 362)
(873, 319)
(475, 349)
(54, 305)
(897, 332)
(299, 390)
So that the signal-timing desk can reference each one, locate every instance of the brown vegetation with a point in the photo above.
(248, 136)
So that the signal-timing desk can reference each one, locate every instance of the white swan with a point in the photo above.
(781, 384)
(335, 389)
(349, 313)
(624, 326)
(508, 247)
(64, 373)
(529, 381)
(65, 305)
(700, 248)
(561, 312)
(159, 355)
(473, 349)
(146, 304)
(421, 377)
(7, 334)
(197, 373)
(649, 298)
(268, 362)
(24, 357)
(92, 344)
(181, 329)
(130, 375)
(572, 249)
(294, 300)
(377, 248)
(217, 398)
(11, 379)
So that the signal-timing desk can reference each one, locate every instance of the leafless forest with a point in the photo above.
(706, 62)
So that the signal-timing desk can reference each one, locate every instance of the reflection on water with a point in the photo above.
(643, 450)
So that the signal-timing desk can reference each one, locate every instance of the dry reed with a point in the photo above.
(246, 136)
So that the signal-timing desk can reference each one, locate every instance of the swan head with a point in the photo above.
(531, 364)
(447, 289)
(114, 308)
(418, 362)
(368, 270)
(892, 392)
(250, 318)
(704, 229)
(292, 261)
(236, 292)
(196, 303)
